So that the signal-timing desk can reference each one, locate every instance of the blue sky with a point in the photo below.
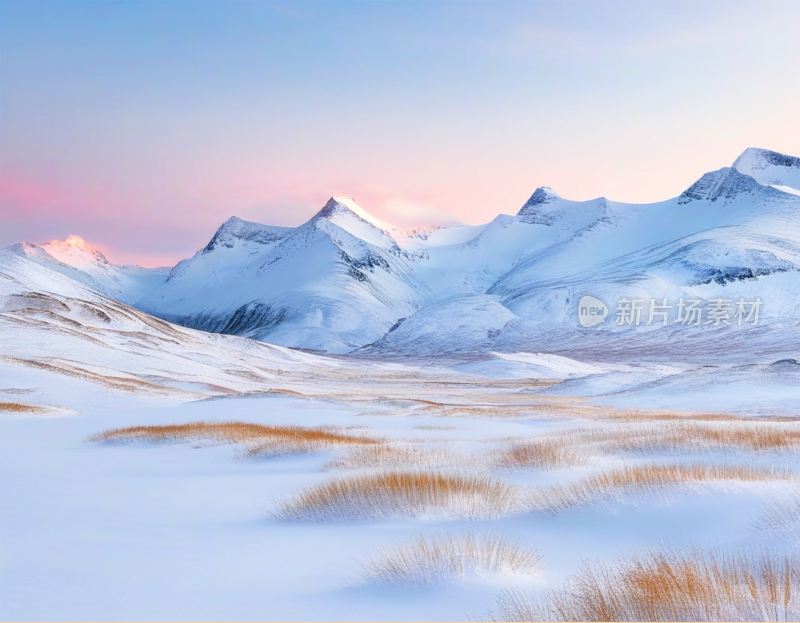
(143, 125)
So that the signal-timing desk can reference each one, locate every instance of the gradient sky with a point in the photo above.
(142, 126)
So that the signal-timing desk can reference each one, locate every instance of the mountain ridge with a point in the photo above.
(343, 280)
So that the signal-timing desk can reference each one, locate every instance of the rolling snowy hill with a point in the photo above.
(53, 324)
(75, 259)
(331, 284)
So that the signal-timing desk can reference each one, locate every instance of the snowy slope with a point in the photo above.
(333, 283)
(343, 279)
(75, 258)
(770, 168)
(52, 321)
(727, 236)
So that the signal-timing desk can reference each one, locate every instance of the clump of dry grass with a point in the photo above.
(395, 456)
(780, 515)
(258, 439)
(15, 407)
(675, 436)
(640, 479)
(666, 586)
(544, 453)
(444, 557)
(393, 493)
(576, 446)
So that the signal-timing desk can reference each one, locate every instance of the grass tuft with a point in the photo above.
(675, 436)
(258, 439)
(543, 453)
(394, 456)
(400, 493)
(781, 516)
(646, 478)
(15, 407)
(447, 557)
(667, 586)
(577, 446)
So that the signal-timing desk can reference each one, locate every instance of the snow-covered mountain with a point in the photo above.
(770, 168)
(727, 236)
(74, 258)
(56, 324)
(344, 281)
(333, 284)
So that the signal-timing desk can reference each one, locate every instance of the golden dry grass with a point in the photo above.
(675, 436)
(646, 478)
(576, 446)
(780, 515)
(15, 407)
(544, 453)
(445, 557)
(398, 493)
(499, 405)
(667, 586)
(258, 439)
(403, 456)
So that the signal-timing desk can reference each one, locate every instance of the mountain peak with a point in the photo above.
(236, 228)
(543, 194)
(76, 242)
(756, 159)
(770, 168)
(74, 250)
(532, 211)
(344, 206)
(751, 172)
(725, 183)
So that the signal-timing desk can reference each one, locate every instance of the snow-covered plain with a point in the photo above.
(107, 531)
(465, 364)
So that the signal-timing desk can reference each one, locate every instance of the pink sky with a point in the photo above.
(144, 139)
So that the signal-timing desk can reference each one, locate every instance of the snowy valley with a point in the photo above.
(345, 421)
